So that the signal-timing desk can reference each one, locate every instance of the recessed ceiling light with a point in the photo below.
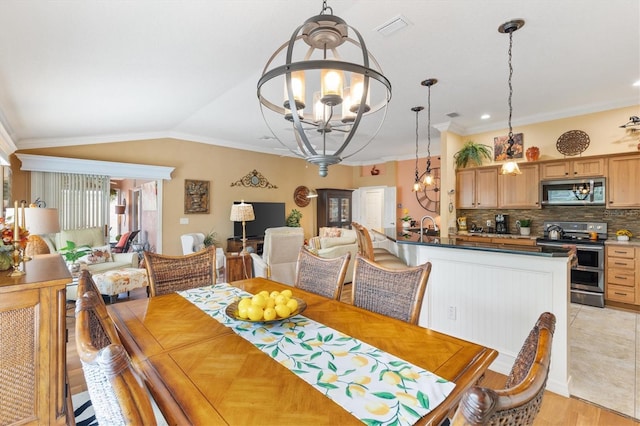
(485, 117)
(637, 83)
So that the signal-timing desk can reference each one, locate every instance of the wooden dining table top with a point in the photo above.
(200, 372)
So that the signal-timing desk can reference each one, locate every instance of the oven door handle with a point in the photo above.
(589, 248)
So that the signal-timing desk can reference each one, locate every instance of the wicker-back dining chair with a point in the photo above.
(168, 274)
(117, 395)
(320, 275)
(519, 402)
(391, 292)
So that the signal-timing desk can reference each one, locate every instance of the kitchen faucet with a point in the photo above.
(435, 227)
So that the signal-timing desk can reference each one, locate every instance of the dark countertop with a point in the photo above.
(400, 236)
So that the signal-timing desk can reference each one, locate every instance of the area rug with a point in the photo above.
(83, 410)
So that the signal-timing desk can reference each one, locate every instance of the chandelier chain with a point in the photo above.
(417, 110)
(325, 8)
(510, 141)
(428, 130)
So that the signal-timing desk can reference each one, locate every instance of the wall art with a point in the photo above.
(196, 196)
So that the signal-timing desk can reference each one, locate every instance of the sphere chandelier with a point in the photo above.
(336, 87)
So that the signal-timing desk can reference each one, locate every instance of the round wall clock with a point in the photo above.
(300, 196)
(429, 197)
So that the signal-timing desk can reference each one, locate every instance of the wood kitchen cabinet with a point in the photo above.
(572, 168)
(477, 188)
(622, 187)
(33, 340)
(520, 191)
(623, 274)
(334, 208)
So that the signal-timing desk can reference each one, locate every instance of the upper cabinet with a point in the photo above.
(622, 182)
(520, 191)
(334, 208)
(477, 188)
(572, 168)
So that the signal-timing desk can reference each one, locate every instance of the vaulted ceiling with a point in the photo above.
(78, 72)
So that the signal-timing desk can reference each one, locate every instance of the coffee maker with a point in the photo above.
(502, 224)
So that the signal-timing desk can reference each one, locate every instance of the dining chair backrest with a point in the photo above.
(321, 275)
(117, 395)
(124, 245)
(397, 293)
(168, 274)
(519, 402)
(365, 244)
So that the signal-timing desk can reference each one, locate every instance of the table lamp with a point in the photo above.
(40, 221)
(242, 213)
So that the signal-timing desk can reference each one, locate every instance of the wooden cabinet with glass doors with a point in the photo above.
(334, 208)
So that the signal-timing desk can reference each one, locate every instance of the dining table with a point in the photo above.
(201, 371)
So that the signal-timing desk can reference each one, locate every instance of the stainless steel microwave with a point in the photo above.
(569, 192)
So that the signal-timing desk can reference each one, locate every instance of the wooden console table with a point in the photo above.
(235, 245)
(34, 336)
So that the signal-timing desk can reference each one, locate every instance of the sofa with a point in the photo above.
(334, 242)
(100, 260)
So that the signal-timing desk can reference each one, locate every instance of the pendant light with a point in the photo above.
(417, 186)
(428, 177)
(332, 87)
(510, 167)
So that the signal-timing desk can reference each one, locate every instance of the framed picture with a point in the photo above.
(196, 196)
(501, 144)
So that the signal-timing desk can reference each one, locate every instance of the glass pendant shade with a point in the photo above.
(416, 187)
(428, 179)
(328, 56)
(510, 168)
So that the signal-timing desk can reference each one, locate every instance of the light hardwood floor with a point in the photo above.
(556, 409)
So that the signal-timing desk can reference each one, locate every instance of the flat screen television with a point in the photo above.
(268, 215)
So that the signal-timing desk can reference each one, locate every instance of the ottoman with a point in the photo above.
(112, 283)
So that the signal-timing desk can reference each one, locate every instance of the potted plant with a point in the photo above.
(472, 153)
(525, 226)
(406, 219)
(210, 239)
(293, 220)
(72, 253)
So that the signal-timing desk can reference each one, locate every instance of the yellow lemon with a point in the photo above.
(283, 311)
(407, 399)
(329, 378)
(287, 293)
(269, 314)
(259, 300)
(244, 302)
(357, 390)
(292, 304)
(409, 374)
(391, 377)
(264, 293)
(274, 294)
(270, 303)
(255, 312)
(363, 380)
(359, 360)
(242, 313)
(281, 299)
(377, 408)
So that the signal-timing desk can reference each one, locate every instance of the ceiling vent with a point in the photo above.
(393, 25)
(453, 115)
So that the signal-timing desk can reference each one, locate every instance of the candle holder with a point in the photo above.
(17, 258)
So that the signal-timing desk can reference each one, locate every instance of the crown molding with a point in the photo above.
(43, 163)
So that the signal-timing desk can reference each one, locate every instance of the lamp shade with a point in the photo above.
(119, 208)
(41, 220)
(242, 212)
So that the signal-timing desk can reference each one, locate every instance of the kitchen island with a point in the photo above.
(492, 295)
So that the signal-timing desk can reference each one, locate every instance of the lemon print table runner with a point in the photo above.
(374, 386)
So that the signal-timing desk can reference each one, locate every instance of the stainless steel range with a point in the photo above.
(587, 276)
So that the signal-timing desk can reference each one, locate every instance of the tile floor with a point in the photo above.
(605, 357)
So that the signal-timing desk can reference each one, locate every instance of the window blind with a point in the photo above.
(82, 200)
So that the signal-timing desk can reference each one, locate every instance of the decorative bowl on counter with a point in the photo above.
(622, 237)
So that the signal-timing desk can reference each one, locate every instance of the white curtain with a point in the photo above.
(82, 200)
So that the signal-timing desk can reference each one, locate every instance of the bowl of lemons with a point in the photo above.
(623, 235)
(266, 306)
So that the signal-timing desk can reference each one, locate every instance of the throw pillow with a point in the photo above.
(98, 255)
(330, 232)
(314, 243)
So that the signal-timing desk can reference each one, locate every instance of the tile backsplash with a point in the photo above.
(615, 219)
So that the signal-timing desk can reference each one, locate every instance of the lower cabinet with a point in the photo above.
(622, 271)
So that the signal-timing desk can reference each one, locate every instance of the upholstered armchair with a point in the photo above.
(279, 254)
(194, 242)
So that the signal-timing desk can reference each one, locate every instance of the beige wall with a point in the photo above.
(603, 128)
(221, 166)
